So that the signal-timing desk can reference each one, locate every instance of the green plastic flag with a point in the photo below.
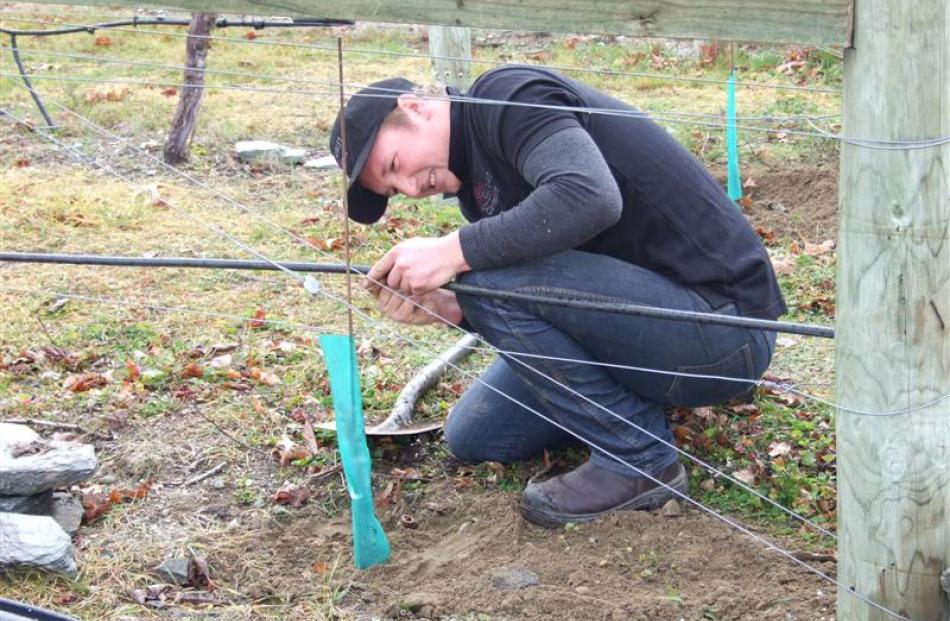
(370, 546)
(733, 184)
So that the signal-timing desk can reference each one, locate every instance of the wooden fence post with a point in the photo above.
(893, 322)
(451, 51)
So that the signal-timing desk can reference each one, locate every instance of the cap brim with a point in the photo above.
(364, 206)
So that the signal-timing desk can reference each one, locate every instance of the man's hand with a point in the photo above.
(418, 265)
(441, 303)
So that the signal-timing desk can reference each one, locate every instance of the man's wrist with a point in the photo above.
(457, 257)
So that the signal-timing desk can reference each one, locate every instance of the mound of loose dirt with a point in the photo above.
(797, 203)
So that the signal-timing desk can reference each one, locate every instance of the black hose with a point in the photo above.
(28, 612)
(335, 268)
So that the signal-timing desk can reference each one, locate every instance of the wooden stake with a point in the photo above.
(892, 348)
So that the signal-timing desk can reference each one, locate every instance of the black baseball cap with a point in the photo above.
(365, 112)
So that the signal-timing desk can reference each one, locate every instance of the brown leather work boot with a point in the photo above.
(588, 492)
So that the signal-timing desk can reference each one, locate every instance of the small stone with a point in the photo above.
(513, 578)
(251, 150)
(174, 570)
(576, 578)
(35, 540)
(423, 604)
(37, 504)
(708, 485)
(12, 435)
(217, 482)
(292, 156)
(671, 509)
(67, 511)
(321, 163)
(583, 590)
(60, 465)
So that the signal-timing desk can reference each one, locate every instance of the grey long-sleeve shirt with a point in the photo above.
(575, 198)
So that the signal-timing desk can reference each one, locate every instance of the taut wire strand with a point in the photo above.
(879, 144)
(327, 82)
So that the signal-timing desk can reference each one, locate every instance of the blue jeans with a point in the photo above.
(486, 425)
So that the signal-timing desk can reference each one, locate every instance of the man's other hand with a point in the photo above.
(430, 307)
(418, 265)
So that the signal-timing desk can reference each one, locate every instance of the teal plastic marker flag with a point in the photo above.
(370, 546)
(733, 184)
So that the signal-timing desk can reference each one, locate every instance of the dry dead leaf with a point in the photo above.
(777, 449)
(121, 496)
(250, 35)
(291, 454)
(783, 265)
(293, 495)
(767, 235)
(745, 475)
(257, 319)
(133, 370)
(171, 91)
(94, 505)
(192, 370)
(84, 381)
(309, 438)
(103, 41)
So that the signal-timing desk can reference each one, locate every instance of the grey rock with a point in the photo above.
(321, 163)
(512, 578)
(671, 509)
(173, 570)
(254, 150)
(61, 465)
(67, 511)
(290, 155)
(13, 435)
(37, 504)
(35, 540)
(250, 150)
(945, 580)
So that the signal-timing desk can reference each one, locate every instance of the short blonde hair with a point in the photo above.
(399, 118)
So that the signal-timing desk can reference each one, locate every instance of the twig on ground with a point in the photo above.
(205, 475)
(36, 422)
(225, 433)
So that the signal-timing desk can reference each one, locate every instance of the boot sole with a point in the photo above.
(649, 500)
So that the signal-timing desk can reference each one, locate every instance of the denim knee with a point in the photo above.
(459, 440)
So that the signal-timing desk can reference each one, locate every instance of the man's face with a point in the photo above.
(413, 158)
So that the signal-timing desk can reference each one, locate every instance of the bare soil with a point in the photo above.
(795, 203)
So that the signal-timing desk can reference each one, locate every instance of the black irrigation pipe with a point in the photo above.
(221, 22)
(336, 268)
(19, 611)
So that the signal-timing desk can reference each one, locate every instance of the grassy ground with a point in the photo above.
(182, 391)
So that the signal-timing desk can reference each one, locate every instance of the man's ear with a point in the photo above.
(414, 106)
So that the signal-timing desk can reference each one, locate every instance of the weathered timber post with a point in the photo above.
(893, 323)
(451, 51)
(189, 101)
